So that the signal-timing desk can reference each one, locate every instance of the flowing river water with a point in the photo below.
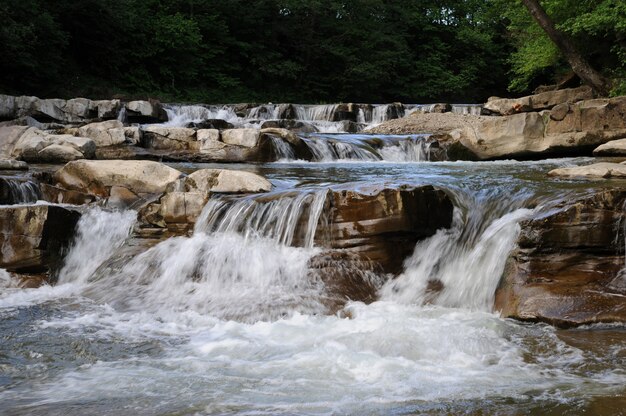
(231, 321)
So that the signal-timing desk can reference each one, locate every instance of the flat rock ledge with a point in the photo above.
(603, 170)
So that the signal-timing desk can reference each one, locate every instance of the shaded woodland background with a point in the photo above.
(298, 51)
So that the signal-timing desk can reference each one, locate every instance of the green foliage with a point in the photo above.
(598, 28)
(266, 50)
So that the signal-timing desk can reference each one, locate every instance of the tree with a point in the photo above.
(579, 64)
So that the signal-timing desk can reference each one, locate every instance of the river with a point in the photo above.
(230, 320)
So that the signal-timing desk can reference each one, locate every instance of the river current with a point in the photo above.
(229, 321)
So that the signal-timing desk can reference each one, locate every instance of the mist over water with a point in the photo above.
(231, 320)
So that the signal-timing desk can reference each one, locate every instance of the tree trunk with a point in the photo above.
(579, 64)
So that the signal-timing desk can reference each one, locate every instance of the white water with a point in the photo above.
(21, 191)
(229, 321)
(329, 148)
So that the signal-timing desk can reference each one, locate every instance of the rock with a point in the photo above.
(594, 116)
(34, 237)
(145, 112)
(182, 207)
(499, 137)
(58, 195)
(300, 150)
(383, 224)
(294, 125)
(33, 143)
(597, 170)
(105, 133)
(226, 181)
(559, 111)
(96, 177)
(543, 101)
(170, 138)
(586, 125)
(58, 153)
(567, 263)
(12, 164)
(217, 123)
(133, 135)
(9, 136)
(209, 139)
(107, 108)
(612, 148)
(440, 108)
(241, 137)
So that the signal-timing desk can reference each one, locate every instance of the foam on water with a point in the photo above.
(386, 356)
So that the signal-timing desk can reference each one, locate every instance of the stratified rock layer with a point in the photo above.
(568, 269)
(33, 237)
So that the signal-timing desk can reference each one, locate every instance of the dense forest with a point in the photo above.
(298, 51)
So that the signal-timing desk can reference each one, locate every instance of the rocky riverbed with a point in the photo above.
(336, 245)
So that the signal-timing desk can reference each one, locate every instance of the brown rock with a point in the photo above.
(567, 265)
(383, 224)
(33, 237)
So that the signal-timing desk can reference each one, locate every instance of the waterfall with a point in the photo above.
(100, 233)
(323, 112)
(280, 216)
(329, 148)
(460, 267)
(16, 191)
(471, 109)
(238, 264)
(264, 112)
(181, 115)
(282, 149)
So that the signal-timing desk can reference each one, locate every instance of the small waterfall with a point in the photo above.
(181, 115)
(264, 112)
(469, 109)
(379, 113)
(461, 266)
(282, 150)
(237, 265)
(329, 148)
(288, 218)
(121, 116)
(325, 112)
(16, 191)
(99, 234)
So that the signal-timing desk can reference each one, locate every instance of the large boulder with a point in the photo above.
(241, 137)
(569, 267)
(382, 224)
(8, 137)
(32, 145)
(108, 109)
(597, 170)
(141, 111)
(170, 138)
(97, 177)
(105, 133)
(34, 237)
(543, 101)
(571, 129)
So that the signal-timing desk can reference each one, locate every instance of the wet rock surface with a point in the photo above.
(568, 269)
(34, 237)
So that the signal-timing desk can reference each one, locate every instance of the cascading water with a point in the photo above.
(461, 267)
(18, 191)
(230, 320)
(329, 148)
